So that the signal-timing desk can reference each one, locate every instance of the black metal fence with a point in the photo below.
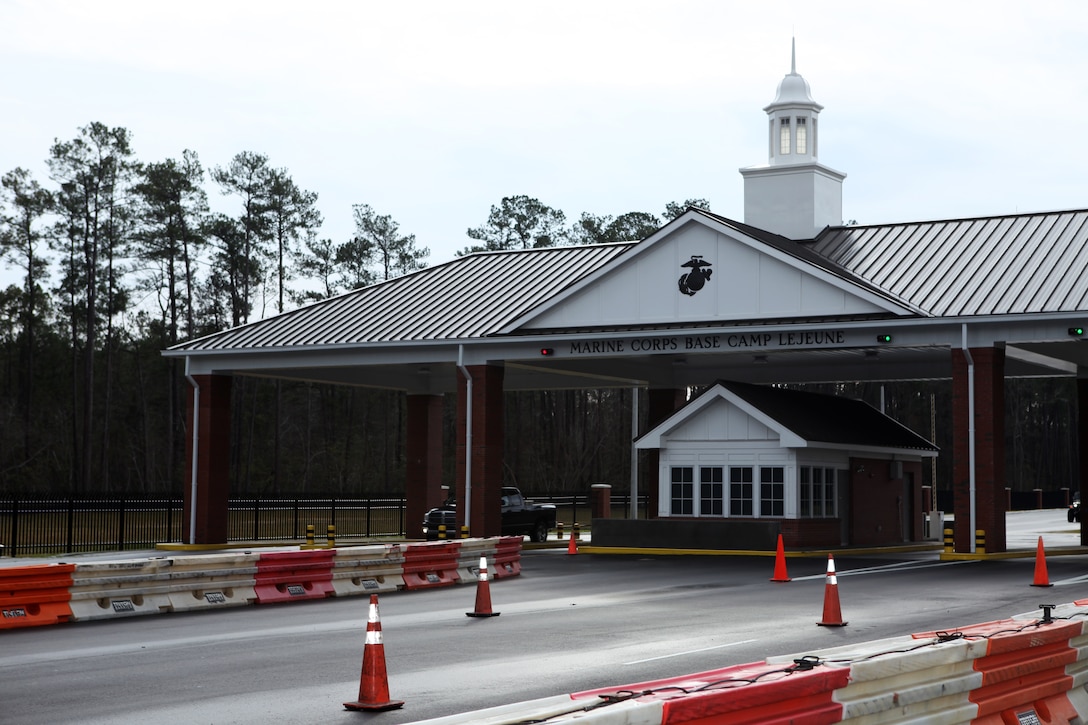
(40, 526)
(45, 526)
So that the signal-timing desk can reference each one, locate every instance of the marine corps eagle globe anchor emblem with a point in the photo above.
(693, 281)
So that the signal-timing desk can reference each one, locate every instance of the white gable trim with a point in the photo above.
(657, 437)
(872, 297)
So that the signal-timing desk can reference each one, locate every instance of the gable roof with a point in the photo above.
(803, 419)
(639, 289)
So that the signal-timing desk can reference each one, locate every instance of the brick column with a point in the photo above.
(423, 468)
(660, 405)
(487, 448)
(989, 423)
(213, 460)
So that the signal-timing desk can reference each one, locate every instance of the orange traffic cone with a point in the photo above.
(572, 547)
(832, 613)
(1041, 577)
(780, 574)
(483, 594)
(373, 683)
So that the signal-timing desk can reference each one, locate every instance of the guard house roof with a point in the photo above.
(803, 420)
(1017, 281)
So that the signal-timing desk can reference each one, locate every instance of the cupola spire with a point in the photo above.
(793, 194)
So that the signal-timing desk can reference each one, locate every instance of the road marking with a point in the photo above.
(900, 566)
(691, 651)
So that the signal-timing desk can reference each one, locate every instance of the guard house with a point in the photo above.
(789, 295)
(742, 463)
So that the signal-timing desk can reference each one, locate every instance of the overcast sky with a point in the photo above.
(432, 112)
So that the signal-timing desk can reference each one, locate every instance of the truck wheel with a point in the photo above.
(540, 533)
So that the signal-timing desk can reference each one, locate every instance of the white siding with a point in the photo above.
(722, 421)
(746, 283)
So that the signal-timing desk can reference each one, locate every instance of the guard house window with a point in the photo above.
(740, 491)
(772, 491)
(819, 491)
(683, 491)
(711, 491)
(784, 137)
(802, 135)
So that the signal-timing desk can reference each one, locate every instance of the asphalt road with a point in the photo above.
(568, 623)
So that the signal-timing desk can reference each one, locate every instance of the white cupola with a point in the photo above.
(793, 194)
(793, 116)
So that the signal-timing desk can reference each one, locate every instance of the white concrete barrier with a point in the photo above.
(211, 581)
(114, 589)
(468, 559)
(901, 679)
(367, 569)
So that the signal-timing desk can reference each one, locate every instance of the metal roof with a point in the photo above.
(807, 253)
(816, 418)
(469, 297)
(1004, 265)
(834, 419)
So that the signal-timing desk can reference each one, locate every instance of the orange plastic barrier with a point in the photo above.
(431, 564)
(1026, 671)
(287, 576)
(31, 596)
(508, 557)
(750, 694)
(1023, 670)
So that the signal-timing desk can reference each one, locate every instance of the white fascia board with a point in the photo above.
(798, 167)
(875, 451)
(259, 358)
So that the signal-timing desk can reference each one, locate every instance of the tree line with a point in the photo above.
(118, 259)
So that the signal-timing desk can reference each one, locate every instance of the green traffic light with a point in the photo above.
(1076, 331)
(883, 338)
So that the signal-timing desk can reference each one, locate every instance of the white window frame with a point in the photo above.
(776, 487)
(821, 496)
(681, 499)
(748, 499)
(707, 502)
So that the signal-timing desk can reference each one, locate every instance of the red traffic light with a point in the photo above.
(547, 351)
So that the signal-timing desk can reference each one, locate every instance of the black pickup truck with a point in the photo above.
(520, 517)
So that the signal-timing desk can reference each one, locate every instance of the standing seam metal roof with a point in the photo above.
(1014, 264)
(822, 418)
(466, 298)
